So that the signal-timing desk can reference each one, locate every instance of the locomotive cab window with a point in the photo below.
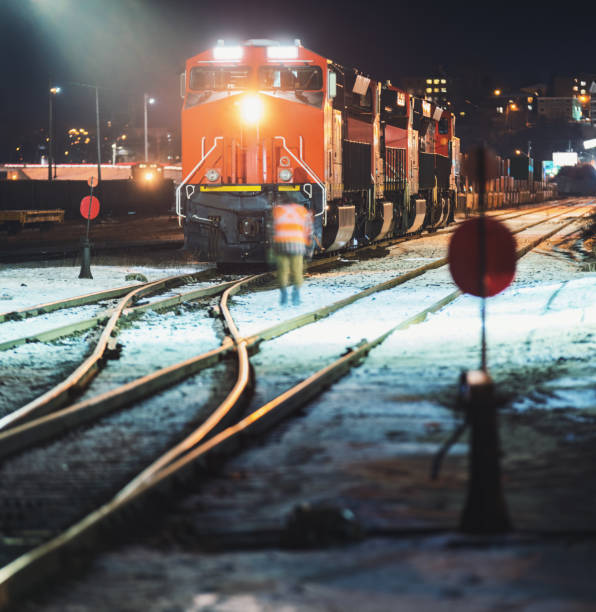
(218, 78)
(291, 78)
(444, 126)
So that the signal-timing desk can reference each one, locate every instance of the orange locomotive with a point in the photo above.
(264, 123)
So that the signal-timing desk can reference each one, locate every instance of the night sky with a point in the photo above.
(129, 47)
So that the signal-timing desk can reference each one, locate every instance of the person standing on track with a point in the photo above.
(292, 240)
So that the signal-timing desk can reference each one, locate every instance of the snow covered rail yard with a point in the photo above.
(140, 387)
(290, 371)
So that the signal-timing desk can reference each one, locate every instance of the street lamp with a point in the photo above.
(54, 91)
(148, 100)
(96, 87)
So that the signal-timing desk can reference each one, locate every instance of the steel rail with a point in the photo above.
(218, 417)
(19, 436)
(21, 431)
(59, 394)
(41, 429)
(71, 302)
(304, 391)
(85, 324)
(18, 576)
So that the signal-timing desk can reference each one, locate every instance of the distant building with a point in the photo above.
(565, 86)
(578, 87)
(560, 108)
(435, 88)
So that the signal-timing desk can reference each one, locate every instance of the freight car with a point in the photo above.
(264, 122)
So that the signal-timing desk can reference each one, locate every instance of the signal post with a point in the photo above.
(482, 258)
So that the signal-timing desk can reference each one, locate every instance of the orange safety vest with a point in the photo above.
(292, 225)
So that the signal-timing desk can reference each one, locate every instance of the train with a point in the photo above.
(147, 175)
(263, 122)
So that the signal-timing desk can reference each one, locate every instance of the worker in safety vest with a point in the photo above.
(292, 239)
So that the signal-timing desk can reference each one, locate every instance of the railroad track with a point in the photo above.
(96, 297)
(127, 308)
(62, 392)
(65, 390)
(212, 438)
(83, 374)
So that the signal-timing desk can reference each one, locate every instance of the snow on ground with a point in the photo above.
(399, 402)
(166, 339)
(10, 330)
(23, 286)
(31, 369)
(366, 444)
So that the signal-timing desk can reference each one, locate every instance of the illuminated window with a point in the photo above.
(436, 81)
(583, 83)
(429, 89)
(529, 107)
(444, 89)
(575, 88)
(443, 81)
(219, 77)
(500, 109)
(436, 90)
(583, 91)
(291, 77)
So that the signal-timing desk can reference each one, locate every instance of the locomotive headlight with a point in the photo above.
(251, 108)
(148, 176)
(285, 174)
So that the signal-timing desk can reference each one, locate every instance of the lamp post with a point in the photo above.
(148, 100)
(53, 91)
(98, 134)
(96, 87)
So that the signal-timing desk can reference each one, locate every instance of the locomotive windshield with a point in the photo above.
(291, 78)
(217, 78)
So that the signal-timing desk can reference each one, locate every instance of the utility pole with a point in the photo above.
(147, 100)
(52, 91)
(98, 135)
(50, 126)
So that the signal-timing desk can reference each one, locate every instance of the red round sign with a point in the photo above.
(89, 207)
(464, 257)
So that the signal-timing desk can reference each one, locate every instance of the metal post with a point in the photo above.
(146, 140)
(50, 126)
(98, 135)
(85, 271)
(481, 165)
(485, 510)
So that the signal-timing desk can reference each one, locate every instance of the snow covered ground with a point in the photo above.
(25, 285)
(366, 443)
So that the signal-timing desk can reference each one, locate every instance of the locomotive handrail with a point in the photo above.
(190, 175)
(313, 175)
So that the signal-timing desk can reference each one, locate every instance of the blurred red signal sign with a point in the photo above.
(89, 207)
(465, 262)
